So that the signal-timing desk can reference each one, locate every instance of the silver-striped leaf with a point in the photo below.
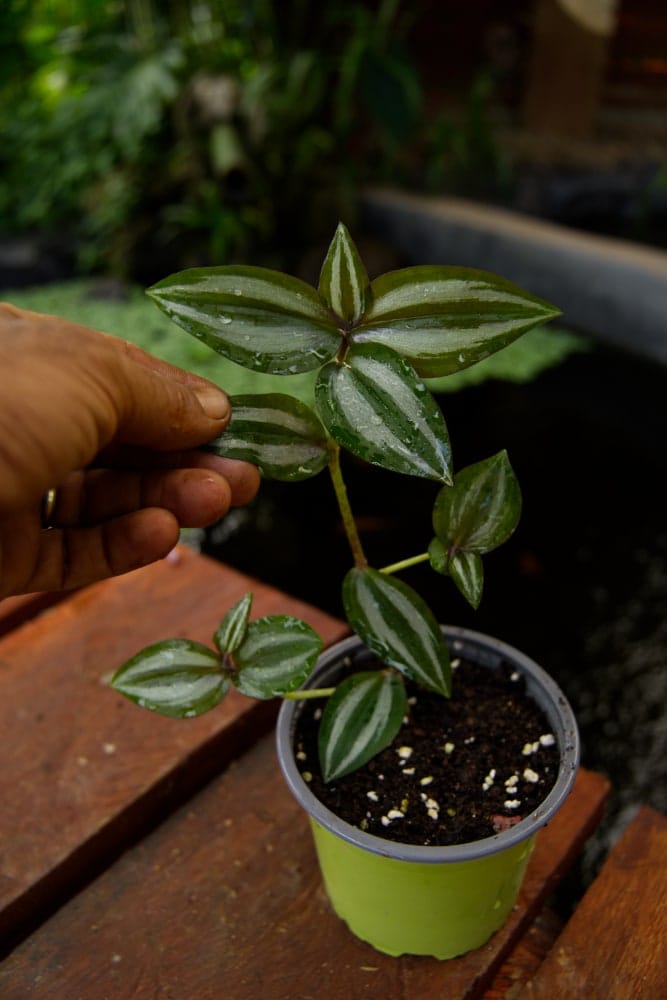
(467, 571)
(261, 319)
(344, 283)
(396, 624)
(375, 406)
(233, 627)
(475, 515)
(177, 677)
(443, 319)
(360, 719)
(278, 433)
(482, 509)
(276, 656)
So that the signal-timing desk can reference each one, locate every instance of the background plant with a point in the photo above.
(371, 345)
(463, 156)
(156, 135)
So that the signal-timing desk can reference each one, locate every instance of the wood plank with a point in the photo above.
(15, 611)
(526, 958)
(84, 771)
(626, 954)
(224, 899)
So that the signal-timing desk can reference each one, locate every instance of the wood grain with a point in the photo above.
(84, 771)
(15, 611)
(526, 958)
(225, 900)
(615, 945)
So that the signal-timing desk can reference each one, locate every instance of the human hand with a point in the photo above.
(117, 432)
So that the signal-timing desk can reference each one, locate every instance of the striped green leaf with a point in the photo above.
(344, 283)
(482, 509)
(261, 319)
(467, 571)
(465, 568)
(398, 626)
(360, 719)
(276, 656)
(178, 678)
(374, 405)
(475, 515)
(234, 625)
(279, 434)
(444, 319)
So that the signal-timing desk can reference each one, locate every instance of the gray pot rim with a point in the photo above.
(488, 650)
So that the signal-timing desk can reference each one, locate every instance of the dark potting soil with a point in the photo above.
(460, 769)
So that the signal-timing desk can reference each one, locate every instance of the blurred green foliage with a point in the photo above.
(462, 156)
(161, 135)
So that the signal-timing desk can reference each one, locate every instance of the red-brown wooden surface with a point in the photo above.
(84, 772)
(224, 901)
(14, 611)
(526, 958)
(223, 897)
(615, 945)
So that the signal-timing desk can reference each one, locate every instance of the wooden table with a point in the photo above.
(146, 857)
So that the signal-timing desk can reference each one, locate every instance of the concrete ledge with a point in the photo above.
(611, 289)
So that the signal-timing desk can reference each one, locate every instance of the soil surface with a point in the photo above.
(460, 769)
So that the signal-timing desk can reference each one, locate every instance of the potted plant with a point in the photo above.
(390, 727)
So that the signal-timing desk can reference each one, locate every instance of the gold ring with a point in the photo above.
(49, 501)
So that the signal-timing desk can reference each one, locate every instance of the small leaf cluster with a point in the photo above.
(372, 344)
(265, 658)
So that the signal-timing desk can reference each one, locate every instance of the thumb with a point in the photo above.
(166, 408)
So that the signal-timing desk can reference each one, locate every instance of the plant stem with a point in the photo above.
(309, 693)
(404, 563)
(349, 524)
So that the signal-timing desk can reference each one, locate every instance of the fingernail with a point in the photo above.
(213, 402)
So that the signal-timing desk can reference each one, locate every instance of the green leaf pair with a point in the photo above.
(180, 678)
(374, 405)
(366, 711)
(477, 514)
(272, 657)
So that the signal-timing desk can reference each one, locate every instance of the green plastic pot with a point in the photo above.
(438, 901)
